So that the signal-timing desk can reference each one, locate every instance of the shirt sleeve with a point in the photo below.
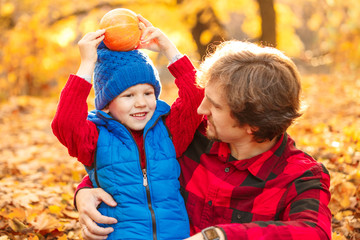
(183, 119)
(70, 124)
(307, 215)
(85, 183)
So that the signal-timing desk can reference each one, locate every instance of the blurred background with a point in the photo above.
(38, 51)
(39, 38)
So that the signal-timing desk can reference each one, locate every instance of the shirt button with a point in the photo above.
(210, 203)
(238, 216)
(227, 169)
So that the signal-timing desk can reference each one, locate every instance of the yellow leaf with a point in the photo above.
(45, 222)
(17, 213)
(206, 37)
(71, 214)
(345, 189)
(315, 21)
(7, 9)
(33, 237)
(55, 209)
(338, 216)
(67, 197)
(63, 237)
(337, 236)
(17, 226)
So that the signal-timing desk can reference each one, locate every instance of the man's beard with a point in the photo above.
(214, 135)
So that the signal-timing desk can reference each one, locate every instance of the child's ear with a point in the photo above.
(106, 109)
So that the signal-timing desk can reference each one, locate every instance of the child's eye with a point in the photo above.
(149, 93)
(128, 95)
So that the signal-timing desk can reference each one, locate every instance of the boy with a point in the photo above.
(130, 142)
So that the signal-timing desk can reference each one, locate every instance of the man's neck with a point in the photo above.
(249, 149)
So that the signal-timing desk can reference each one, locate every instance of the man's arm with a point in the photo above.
(88, 199)
(307, 215)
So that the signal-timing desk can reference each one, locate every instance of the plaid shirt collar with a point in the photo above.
(255, 164)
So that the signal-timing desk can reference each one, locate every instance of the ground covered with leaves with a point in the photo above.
(38, 178)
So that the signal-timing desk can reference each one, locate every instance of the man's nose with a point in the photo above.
(201, 110)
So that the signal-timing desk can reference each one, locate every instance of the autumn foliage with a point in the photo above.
(38, 178)
(122, 29)
(39, 50)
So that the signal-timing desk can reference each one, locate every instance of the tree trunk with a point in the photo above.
(268, 22)
(213, 25)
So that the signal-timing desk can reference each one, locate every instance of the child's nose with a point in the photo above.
(140, 101)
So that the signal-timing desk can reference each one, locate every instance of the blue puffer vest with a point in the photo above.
(149, 204)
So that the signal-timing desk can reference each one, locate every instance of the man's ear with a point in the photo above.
(250, 129)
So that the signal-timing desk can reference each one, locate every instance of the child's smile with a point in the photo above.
(135, 106)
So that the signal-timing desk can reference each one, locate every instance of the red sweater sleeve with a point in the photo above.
(70, 124)
(183, 119)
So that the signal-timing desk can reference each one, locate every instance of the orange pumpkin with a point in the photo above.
(122, 29)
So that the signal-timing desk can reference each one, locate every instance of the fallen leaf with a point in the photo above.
(45, 222)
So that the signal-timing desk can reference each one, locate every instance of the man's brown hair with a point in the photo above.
(262, 86)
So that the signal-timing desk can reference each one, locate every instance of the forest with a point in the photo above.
(39, 50)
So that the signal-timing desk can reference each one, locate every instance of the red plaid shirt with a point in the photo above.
(280, 194)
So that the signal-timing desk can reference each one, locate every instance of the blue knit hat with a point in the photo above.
(117, 71)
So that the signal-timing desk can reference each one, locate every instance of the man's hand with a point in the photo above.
(87, 200)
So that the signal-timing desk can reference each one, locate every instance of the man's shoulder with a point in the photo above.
(294, 161)
(298, 162)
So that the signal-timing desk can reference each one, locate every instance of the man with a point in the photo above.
(242, 176)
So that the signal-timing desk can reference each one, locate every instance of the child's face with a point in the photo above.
(135, 106)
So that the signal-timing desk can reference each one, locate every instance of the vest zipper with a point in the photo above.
(146, 185)
(147, 188)
(145, 182)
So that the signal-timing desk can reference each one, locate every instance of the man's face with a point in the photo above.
(221, 125)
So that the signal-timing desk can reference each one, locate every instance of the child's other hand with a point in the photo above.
(88, 45)
(154, 39)
(88, 51)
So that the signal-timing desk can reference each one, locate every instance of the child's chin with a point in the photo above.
(138, 127)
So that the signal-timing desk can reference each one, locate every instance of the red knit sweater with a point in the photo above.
(79, 135)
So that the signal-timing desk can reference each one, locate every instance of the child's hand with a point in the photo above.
(154, 39)
(88, 51)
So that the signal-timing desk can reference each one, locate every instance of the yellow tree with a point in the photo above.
(39, 37)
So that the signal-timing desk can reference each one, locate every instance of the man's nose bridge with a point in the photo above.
(202, 107)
